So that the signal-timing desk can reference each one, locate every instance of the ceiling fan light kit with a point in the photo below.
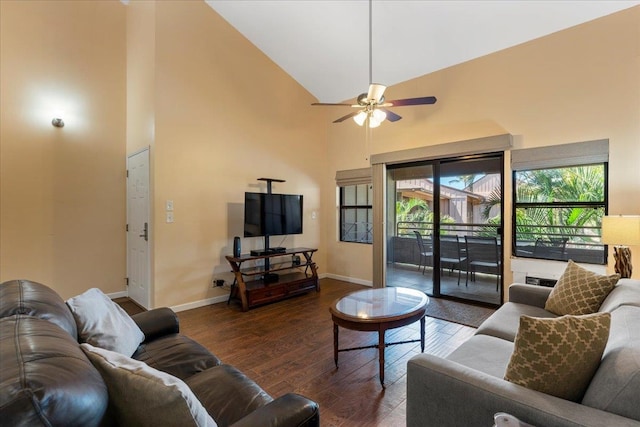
(360, 118)
(372, 104)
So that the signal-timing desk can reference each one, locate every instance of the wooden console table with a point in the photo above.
(282, 279)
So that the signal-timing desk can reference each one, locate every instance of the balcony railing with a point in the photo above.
(406, 228)
(358, 232)
(579, 243)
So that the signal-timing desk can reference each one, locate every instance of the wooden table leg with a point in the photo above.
(335, 344)
(381, 355)
(422, 334)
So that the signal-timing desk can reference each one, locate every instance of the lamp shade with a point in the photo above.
(621, 230)
(360, 118)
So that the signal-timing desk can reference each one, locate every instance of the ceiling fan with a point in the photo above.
(372, 107)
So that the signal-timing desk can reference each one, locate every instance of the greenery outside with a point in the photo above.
(570, 203)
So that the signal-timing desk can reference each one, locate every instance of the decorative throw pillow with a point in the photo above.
(143, 396)
(579, 291)
(558, 356)
(103, 323)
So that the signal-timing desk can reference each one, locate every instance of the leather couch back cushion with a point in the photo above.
(39, 377)
(616, 385)
(177, 355)
(37, 300)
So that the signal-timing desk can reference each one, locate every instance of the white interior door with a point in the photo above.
(138, 228)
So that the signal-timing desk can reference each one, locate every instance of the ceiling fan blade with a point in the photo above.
(376, 91)
(331, 104)
(391, 116)
(412, 101)
(348, 116)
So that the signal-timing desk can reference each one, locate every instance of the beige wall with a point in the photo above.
(225, 115)
(61, 196)
(576, 85)
(141, 70)
(218, 114)
(175, 77)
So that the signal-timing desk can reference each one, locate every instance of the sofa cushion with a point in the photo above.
(41, 365)
(103, 323)
(484, 353)
(177, 355)
(579, 291)
(558, 356)
(36, 300)
(143, 396)
(233, 397)
(616, 385)
(505, 321)
(626, 292)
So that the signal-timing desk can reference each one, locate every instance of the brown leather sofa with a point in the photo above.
(46, 379)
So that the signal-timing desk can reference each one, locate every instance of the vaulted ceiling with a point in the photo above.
(324, 44)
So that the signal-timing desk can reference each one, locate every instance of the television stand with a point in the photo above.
(270, 277)
(284, 277)
(268, 251)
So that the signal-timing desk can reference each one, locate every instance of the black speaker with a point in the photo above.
(236, 247)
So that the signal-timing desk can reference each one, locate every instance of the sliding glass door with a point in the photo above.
(410, 222)
(444, 227)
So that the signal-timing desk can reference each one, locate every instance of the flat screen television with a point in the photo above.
(272, 214)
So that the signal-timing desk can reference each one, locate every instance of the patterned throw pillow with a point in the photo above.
(579, 291)
(558, 356)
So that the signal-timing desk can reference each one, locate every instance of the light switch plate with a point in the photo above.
(169, 205)
(169, 217)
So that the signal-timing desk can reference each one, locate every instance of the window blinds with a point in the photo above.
(353, 177)
(489, 144)
(555, 156)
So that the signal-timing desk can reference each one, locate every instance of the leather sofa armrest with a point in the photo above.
(289, 410)
(157, 322)
(529, 294)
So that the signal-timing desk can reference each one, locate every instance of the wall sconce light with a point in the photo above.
(57, 122)
(621, 230)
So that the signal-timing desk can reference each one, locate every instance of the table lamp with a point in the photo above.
(622, 231)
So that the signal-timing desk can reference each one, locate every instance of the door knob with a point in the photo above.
(146, 232)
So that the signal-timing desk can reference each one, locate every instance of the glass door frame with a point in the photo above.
(435, 165)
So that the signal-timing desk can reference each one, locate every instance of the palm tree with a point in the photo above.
(467, 181)
(573, 184)
(414, 211)
(418, 213)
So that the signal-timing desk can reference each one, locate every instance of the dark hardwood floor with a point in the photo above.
(288, 347)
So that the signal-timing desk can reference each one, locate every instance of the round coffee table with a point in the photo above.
(378, 310)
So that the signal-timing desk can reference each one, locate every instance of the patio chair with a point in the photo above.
(482, 256)
(451, 254)
(552, 248)
(425, 249)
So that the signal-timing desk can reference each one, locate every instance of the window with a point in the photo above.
(558, 212)
(356, 213)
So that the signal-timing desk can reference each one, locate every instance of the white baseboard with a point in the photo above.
(121, 294)
(350, 279)
(214, 300)
(225, 298)
(201, 303)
